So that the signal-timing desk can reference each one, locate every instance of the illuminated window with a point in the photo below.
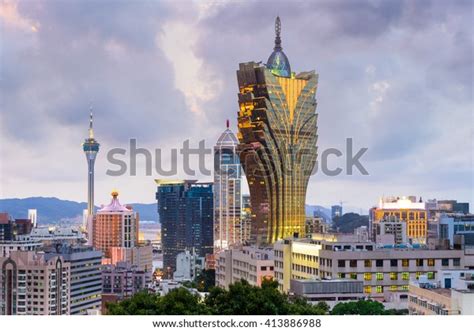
(404, 288)
(341, 275)
(367, 289)
(405, 275)
(405, 263)
(368, 263)
(393, 276)
(379, 276)
(393, 288)
(379, 289)
(367, 276)
(431, 275)
(418, 274)
(353, 275)
(431, 262)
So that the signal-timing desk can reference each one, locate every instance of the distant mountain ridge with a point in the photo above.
(52, 210)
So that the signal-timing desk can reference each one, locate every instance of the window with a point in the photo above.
(353, 275)
(379, 263)
(393, 288)
(457, 262)
(445, 262)
(379, 289)
(341, 275)
(367, 289)
(353, 263)
(379, 276)
(405, 275)
(418, 274)
(431, 262)
(367, 276)
(341, 263)
(394, 263)
(405, 263)
(419, 262)
(393, 276)
(368, 263)
(431, 275)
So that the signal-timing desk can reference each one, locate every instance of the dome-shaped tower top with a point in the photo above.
(278, 62)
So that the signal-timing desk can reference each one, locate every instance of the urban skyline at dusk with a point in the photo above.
(167, 73)
(187, 164)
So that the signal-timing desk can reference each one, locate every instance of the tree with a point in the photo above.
(363, 307)
(241, 299)
(177, 302)
(205, 280)
(244, 299)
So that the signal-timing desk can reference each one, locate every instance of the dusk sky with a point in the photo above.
(395, 76)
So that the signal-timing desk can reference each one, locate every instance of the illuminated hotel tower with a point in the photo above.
(277, 134)
(91, 148)
(227, 195)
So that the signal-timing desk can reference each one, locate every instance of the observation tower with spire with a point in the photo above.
(90, 148)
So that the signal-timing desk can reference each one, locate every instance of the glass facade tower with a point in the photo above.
(277, 134)
(186, 216)
(227, 192)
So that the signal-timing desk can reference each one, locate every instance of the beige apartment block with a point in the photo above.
(32, 284)
(248, 263)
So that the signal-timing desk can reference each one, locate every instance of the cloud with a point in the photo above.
(396, 76)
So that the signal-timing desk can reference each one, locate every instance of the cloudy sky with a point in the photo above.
(395, 76)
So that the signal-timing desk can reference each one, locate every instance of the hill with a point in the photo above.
(53, 210)
(349, 221)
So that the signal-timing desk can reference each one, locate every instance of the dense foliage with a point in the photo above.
(240, 299)
(364, 307)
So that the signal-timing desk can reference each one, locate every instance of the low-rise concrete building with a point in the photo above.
(330, 291)
(249, 263)
(383, 269)
(188, 265)
(452, 293)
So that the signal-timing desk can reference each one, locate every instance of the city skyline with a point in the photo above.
(393, 103)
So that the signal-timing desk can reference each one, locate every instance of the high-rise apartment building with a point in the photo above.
(34, 284)
(186, 215)
(85, 273)
(277, 135)
(33, 217)
(227, 192)
(115, 225)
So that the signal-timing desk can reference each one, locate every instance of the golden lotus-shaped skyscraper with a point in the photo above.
(277, 143)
